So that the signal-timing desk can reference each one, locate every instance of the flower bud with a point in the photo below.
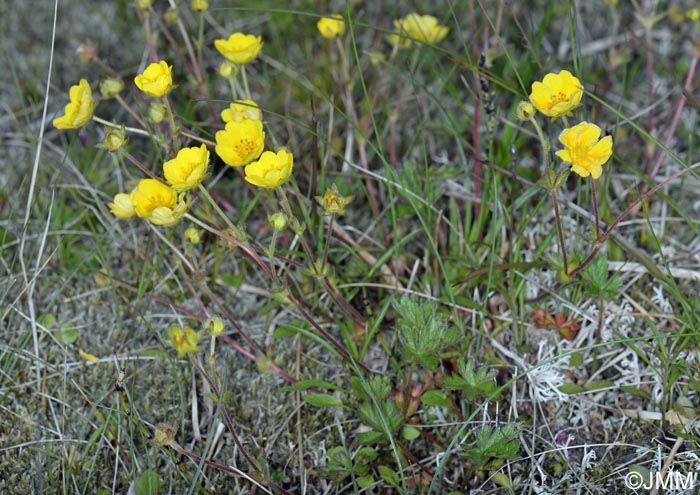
(87, 53)
(144, 4)
(156, 112)
(170, 16)
(163, 434)
(227, 69)
(200, 5)
(111, 87)
(192, 234)
(525, 110)
(278, 221)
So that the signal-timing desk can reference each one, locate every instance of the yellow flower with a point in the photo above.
(122, 206)
(423, 28)
(239, 48)
(158, 202)
(79, 110)
(184, 339)
(584, 150)
(557, 94)
(187, 169)
(331, 27)
(240, 142)
(156, 80)
(271, 170)
(241, 110)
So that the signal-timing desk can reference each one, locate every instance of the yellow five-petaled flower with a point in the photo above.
(584, 150)
(271, 170)
(156, 80)
(240, 142)
(79, 111)
(187, 169)
(332, 26)
(239, 48)
(424, 28)
(557, 94)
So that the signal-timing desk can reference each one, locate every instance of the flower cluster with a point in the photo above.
(242, 140)
(555, 96)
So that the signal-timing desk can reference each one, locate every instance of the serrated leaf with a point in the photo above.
(571, 388)
(323, 400)
(435, 398)
(148, 483)
(409, 433)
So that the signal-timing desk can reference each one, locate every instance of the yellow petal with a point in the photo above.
(88, 357)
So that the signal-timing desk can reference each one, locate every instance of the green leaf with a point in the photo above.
(571, 388)
(410, 433)
(68, 334)
(323, 400)
(435, 398)
(635, 391)
(305, 384)
(598, 384)
(234, 281)
(576, 359)
(365, 481)
(148, 483)
(389, 475)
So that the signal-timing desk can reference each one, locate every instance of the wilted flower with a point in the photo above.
(111, 87)
(156, 80)
(183, 339)
(271, 170)
(158, 202)
(331, 27)
(240, 142)
(424, 28)
(241, 110)
(525, 110)
(163, 434)
(584, 150)
(214, 326)
(239, 48)
(332, 202)
(557, 94)
(122, 206)
(79, 110)
(187, 169)
(115, 139)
